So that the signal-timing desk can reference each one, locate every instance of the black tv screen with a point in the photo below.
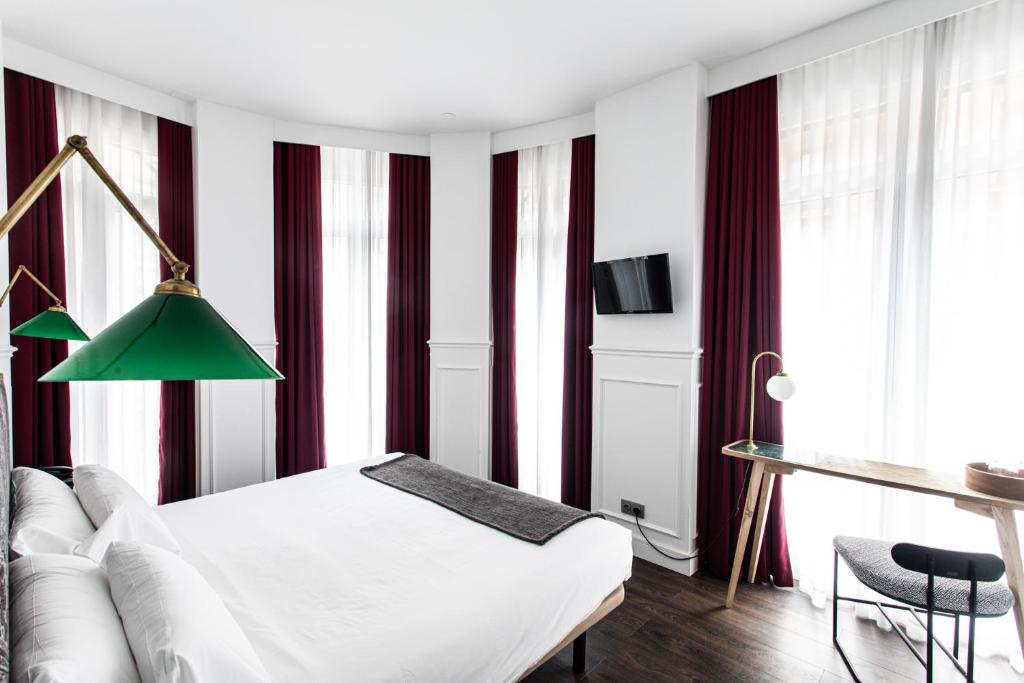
(633, 285)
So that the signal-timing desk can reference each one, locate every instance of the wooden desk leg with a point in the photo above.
(763, 500)
(756, 474)
(1009, 544)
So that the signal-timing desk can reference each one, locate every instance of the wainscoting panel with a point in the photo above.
(460, 406)
(237, 428)
(644, 446)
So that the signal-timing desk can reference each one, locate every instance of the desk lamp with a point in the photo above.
(780, 387)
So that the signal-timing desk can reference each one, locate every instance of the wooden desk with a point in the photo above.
(769, 460)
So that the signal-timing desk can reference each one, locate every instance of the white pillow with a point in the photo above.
(63, 623)
(177, 626)
(130, 521)
(47, 516)
(101, 491)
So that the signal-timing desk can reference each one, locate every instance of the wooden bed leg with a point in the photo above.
(579, 654)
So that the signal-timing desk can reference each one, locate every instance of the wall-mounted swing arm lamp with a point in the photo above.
(174, 334)
(780, 386)
(53, 323)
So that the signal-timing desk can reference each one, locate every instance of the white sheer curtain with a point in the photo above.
(540, 314)
(355, 269)
(902, 187)
(111, 267)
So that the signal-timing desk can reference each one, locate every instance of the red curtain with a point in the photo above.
(298, 307)
(41, 411)
(742, 314)
(407, 417)
(577, 393)
(177, 229)
(504, 218)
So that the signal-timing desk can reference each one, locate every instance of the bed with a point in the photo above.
(413, 591)
(333, 576)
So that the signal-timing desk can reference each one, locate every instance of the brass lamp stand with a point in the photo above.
(779, 386)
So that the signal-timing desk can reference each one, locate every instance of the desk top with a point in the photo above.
(917, 479)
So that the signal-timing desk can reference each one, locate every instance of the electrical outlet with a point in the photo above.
(632, 509)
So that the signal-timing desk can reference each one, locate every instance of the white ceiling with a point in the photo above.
(398, 64)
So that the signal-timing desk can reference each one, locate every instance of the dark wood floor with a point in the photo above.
(674, 628)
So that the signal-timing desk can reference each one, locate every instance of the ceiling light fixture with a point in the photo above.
(448, 115)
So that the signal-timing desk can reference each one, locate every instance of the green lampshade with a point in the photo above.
(53, 323)
(166, 337)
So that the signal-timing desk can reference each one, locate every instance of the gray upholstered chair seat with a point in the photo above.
(871, 562)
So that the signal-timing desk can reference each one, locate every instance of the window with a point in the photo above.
(111, 267)
(543, 226)
(902, 165)
(355, 266)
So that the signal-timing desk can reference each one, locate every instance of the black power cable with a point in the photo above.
(736, 511)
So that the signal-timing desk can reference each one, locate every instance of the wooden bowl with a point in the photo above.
(980, 478)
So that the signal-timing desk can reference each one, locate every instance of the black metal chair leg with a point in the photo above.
(835, 618)
(835, 596)
(929, 656)
(956, 636)
(972, 607)
(930, 597)
(970, 650)
(579, 654)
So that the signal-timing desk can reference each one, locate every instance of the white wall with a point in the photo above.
(234, 175)
(649, 198)
(460, 303)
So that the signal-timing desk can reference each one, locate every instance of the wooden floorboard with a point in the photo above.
(673, 628)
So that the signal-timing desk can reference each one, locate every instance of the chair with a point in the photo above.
(939, 582)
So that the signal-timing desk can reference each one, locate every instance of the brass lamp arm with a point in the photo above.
(753, 383)
(17, 273)
(22, 269)
(78, 144)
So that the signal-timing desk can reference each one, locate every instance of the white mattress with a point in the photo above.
(334, 576)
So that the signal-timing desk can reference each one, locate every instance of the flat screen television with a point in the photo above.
(633, 285)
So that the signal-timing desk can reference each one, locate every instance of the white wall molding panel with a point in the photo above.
(460, 302)
(634, 351)
(649, 199)
(460, 389)
(644, 446)
(234, 165)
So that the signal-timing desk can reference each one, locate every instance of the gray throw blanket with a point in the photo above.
(513, 512)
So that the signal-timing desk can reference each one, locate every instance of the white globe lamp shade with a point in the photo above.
(781, 387)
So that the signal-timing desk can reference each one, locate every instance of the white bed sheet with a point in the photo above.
(336, 577)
